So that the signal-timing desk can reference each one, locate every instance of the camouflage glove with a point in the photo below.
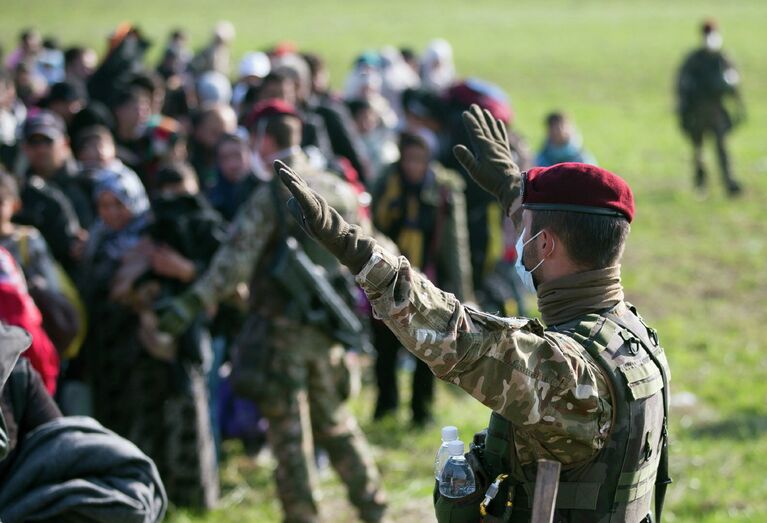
(492, 167)
(346, 242)
(176, 315)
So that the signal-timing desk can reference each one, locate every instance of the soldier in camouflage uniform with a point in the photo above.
(589, 390)
(300, 387)
(706, 81)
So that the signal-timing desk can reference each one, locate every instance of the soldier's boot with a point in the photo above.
(734, 188)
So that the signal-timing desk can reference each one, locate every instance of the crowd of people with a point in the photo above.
(136, 205)
(124, 190)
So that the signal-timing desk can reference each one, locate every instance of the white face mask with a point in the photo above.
(713, 41)
(525, 275)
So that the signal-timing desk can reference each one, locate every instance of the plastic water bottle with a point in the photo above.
(457, 478)
(449, 434)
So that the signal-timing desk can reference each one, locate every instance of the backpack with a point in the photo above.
(63, 311)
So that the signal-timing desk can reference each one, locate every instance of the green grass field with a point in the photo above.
(695, 265)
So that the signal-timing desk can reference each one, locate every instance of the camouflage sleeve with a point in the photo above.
(546, 387)
(234, 260)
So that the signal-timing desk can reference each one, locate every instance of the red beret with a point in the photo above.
(577, 187)
(269, 108)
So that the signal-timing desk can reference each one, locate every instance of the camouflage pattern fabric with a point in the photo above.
(304, 382)
(253, 228)
(554, 394)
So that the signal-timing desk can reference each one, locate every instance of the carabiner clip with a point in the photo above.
(491, 492)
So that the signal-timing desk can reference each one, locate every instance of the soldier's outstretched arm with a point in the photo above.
(509, 364)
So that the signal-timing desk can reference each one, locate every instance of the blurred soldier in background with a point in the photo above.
(706, 84)
(287, 360)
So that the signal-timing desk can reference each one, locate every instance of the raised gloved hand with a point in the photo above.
(346, 242)
(491, 165)
(175, 316)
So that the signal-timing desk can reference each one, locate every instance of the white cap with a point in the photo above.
(455, 447)
(254, 64)
(213, 87)
(449, 433)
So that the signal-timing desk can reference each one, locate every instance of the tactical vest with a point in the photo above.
(616, 485)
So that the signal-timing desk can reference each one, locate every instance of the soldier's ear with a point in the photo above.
(548, 243)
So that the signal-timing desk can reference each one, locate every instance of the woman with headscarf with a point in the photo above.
(109, 348)
(437, 66)
(147, 386)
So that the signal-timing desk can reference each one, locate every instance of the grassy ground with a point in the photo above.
(695, 264)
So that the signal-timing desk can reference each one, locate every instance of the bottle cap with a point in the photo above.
(449, 433)
(455, 447)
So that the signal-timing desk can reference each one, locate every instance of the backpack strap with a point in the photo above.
(23, 247)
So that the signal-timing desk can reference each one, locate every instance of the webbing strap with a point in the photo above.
(571, 495)
(595, 334)
(636, 484)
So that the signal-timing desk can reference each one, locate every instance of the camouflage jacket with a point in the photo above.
(543, 382)
(256, 223)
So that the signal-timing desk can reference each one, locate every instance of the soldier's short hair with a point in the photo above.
(593, 241)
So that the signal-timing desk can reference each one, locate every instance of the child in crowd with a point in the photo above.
(236, 179)
(563, 143)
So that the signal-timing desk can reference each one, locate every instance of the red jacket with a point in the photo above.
(18, 308)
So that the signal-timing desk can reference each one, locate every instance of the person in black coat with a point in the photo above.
(54, 196)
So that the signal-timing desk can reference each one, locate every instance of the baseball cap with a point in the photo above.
(44, 123)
